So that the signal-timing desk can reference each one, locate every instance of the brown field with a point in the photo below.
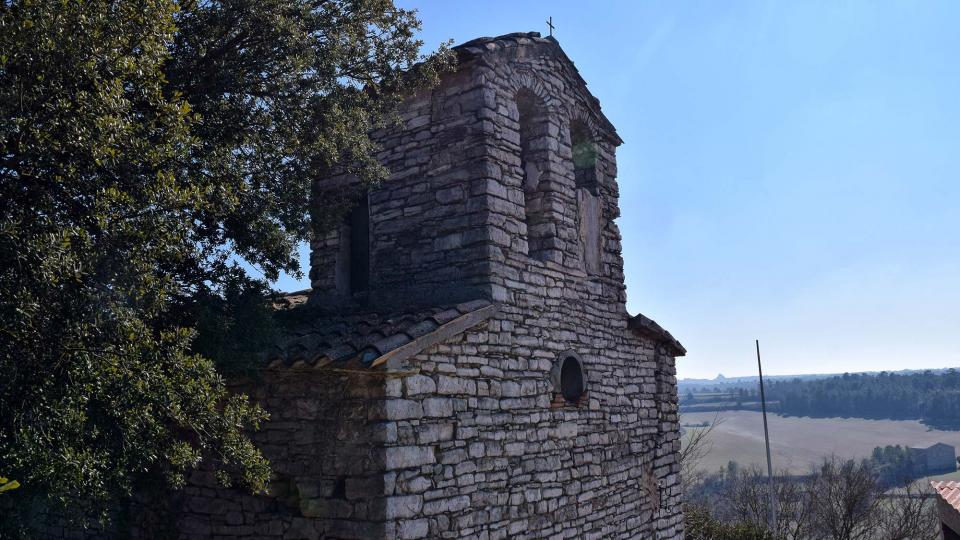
(798, 443)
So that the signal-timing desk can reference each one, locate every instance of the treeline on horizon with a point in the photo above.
(933, 398)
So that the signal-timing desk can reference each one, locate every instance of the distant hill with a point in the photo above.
(732, 383)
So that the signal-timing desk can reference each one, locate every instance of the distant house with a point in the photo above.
(948, 506)
(934, 459)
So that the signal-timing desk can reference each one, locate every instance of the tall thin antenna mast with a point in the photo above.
(766, 438)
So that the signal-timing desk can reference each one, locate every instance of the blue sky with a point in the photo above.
(789, 171)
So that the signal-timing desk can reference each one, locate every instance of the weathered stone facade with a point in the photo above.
(476, 373)
(503, 187)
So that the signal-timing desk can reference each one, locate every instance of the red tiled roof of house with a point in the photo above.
(949, 492)
(948, 504)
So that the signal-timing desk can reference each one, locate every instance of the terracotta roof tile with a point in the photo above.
(445, 316)
(292, 299)
(422, 328)
(949, 492)
(391, 342)
(358, 340)
(341, 352)
(474, 305)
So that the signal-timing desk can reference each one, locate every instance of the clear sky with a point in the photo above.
(789, 171)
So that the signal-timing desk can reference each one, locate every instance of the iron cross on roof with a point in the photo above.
(550, 24)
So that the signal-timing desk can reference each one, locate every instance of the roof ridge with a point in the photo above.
(512, 36)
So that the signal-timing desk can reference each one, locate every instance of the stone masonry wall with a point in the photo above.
(427, 221)
(324, 442)
(486, 452)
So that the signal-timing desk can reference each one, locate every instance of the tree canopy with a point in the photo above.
(931, 397)
(145, 147)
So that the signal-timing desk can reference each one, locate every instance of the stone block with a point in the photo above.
(412, 529)
(364, 487)
(403, 457)
(455, 386)
(417, 385)
(438, 407)
(402, 409)
(403, 506)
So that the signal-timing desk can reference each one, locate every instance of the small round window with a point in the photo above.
(571, 379)
(568, 377)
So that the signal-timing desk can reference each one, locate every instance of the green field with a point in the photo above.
(798, 443)
(924, 483)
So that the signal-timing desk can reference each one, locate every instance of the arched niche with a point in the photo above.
(584, 162)
(533, 121)
(583, 151)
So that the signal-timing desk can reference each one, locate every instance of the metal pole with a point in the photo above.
(766, 438)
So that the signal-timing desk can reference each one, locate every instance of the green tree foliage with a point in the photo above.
(145, 145)
(895, 465)
(931, 397)
(7, 484)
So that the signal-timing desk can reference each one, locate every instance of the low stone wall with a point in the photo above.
(323, 441)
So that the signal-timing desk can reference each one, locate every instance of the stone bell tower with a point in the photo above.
(505, 170)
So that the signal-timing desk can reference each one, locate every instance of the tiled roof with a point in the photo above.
(291, 300)
(649, 327)
(949, 492)
(480, 46)
(948, 504)
(369, 339)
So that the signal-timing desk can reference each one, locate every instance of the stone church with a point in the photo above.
(472, 371)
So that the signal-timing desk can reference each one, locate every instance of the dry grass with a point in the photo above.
(798, 443)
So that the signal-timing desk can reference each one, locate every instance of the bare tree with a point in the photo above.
(749, 502)
(694, 447)
(909, 513)
(839, 500)
(845, 499)
(794, 507)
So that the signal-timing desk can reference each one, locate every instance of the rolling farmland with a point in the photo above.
(798, 443)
